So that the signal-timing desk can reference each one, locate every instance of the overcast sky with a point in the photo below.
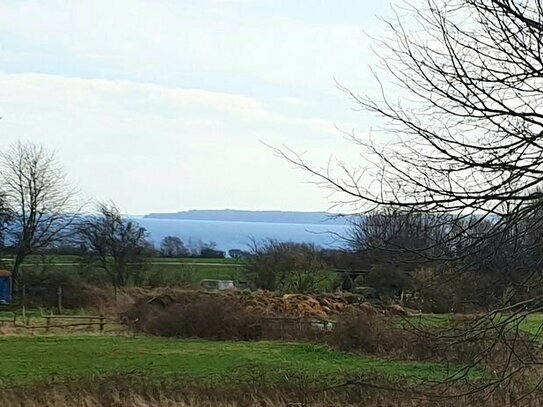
(163, 105)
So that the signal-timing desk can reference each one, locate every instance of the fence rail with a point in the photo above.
(55, 321)
(92, 320)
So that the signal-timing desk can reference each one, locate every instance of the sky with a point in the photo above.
(168, 105)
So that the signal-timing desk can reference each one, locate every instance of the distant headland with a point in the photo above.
(233, 215)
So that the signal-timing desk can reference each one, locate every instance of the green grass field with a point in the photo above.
(167, 271)
(531, 324)
(32, 359)
(159, 271)
(192, 273)
(33, 260)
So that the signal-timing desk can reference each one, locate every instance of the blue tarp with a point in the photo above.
(5, 290)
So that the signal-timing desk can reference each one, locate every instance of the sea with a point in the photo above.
(239, 235)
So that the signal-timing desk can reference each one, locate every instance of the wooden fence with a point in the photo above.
(57, 321)
(278, 327)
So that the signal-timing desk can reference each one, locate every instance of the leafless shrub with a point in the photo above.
(207, 317)
(41, 290)
(379, 335)
(465, 343)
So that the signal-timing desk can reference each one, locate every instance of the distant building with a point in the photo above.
(5, 287)
(211, 284)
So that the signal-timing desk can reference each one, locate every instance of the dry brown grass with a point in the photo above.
(59, 397)
(121, 391)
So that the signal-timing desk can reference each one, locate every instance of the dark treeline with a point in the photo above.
(451, 263)
(437, 263)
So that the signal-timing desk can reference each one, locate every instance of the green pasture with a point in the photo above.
(44, 358)
(156, 270)
(532, 323)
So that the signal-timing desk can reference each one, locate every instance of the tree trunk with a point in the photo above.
(17, 266)
(19, 258)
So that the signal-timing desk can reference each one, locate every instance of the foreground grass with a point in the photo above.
(33, 359)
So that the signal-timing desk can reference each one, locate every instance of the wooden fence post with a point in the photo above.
(59, 299)
(23, 302)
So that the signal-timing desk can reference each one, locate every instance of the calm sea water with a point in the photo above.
(238, 235)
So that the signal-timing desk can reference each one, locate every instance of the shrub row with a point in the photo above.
(217, 318)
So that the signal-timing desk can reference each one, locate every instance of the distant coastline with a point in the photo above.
(233, 215)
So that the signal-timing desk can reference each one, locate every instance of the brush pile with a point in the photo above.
(266, 304)
(303, 305)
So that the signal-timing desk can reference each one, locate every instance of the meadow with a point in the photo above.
(158, 270)
(59, 357)
(67, 366)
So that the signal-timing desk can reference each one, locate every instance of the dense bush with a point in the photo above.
(444, 291)
(492, 344)
(38, 289)
(380, 335)
(460, 341)
(389, 282)
(211, 317)
(289, 267)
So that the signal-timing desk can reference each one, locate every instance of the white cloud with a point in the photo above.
(60, 87)
(169, 39)
(151, 147)
(186, 91)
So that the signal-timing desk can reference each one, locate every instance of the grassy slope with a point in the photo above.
(29, 359)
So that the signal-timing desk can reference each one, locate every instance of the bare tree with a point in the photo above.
(468, 133)
(463, 143)
(173, 246)
(395, 236)
(117, 244)
(461, 140)
(6, 217)
(42, 205)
